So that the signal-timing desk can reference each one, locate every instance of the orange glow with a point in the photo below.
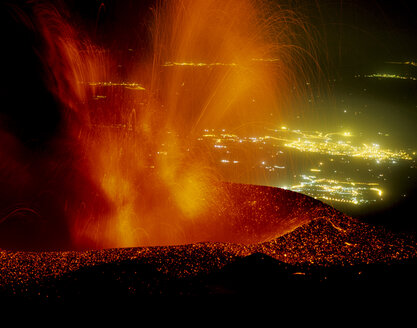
(136, 137)
(230, 62)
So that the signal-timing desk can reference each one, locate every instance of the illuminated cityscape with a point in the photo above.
(326, 144)
(336, 169)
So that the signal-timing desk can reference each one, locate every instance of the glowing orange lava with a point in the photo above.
(212, 63)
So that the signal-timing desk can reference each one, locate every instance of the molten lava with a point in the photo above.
(133, 175)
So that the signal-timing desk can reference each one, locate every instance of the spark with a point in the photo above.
(127, 85)
(218, 64)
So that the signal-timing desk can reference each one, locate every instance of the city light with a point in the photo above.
(315, 143)
(269, 153)
(389, 76)
(331, 190)
(320, 143)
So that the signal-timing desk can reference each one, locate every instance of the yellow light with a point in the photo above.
(379, 191)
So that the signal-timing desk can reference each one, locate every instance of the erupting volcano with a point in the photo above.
(102, 151)
(126, 170)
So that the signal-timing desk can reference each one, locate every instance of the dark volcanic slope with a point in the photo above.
(338, 250)
(323, 248)
(340, 240)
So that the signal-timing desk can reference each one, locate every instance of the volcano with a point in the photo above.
(105, 194)
(328, 251)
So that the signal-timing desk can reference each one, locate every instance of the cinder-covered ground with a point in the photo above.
(326, 254)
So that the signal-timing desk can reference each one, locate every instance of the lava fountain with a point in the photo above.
(128, 171)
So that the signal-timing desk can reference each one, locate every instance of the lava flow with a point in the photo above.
(122, 169)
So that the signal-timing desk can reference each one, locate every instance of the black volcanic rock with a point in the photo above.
(341, 240)
(327, 256)
(325, 251)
